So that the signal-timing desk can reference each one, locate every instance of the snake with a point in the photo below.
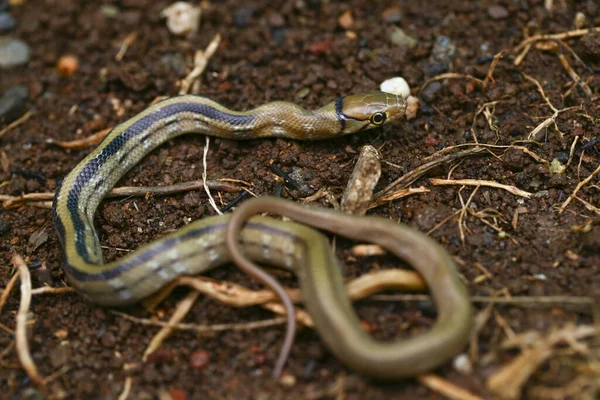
(213, 241)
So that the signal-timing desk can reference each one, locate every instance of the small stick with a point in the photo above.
(127, 42)
(577, 189)
(182, 309)
(244, 326)
(555, 36)
(421, 170)
(508, 381)
(80, 143)
(445, 388)
(288, 181)
(211, 200)
(235, 201)
(16, 123)
(200, 62)
(22, 345)
(574, 75)
(519, 59)
(126, 191)
(541, 90)
(450, 75)
(480, 182)
(9, 287)
(489, 76)
(398, 194)
(589, 206)
(126, 389)
(547, 301)
(462, 225)
(53, 290)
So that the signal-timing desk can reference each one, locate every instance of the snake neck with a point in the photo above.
(282, 119)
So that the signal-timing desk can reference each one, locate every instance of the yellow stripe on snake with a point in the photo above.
(202, 245)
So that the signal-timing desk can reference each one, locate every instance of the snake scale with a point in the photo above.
(208, 243)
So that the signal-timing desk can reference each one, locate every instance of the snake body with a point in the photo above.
(201, 245)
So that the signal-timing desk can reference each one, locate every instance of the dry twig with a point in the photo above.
(200, 62)
(126, 389)
(80, 143)
(578, 188)
(555, 36)
(9, 202)
(9, 287)
(435, 161)
(509, 380)
(182, 309)
(244, 326)
(446, 388)
(16, 123)
(480, 182)
(211, 200)
(22, 345)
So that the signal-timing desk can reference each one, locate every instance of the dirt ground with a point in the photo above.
(526, 249)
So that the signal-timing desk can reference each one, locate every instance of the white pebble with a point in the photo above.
(412, 107)
(182, 18)
(462, 364)
(397, 85)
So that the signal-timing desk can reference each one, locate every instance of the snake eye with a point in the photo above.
(378, 118)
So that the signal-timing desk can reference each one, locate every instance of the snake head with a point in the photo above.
(360, 112)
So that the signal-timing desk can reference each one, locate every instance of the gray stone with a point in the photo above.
(401, 38)
(497, 12)
(7, 22)
(428, 94)
(12, 103)
(13, 52)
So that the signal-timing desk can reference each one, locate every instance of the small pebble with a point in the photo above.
(12, 103)
(412, 107)
(108, 340)
(7, 22)
(288, 380)
(443, 51)
(199, 359)
(278, 35)
(556, 167)
(397, 85)
(4, 227)
(276, 20)
(109, 11)
(162, 355)
(590, 44)
(497, 12)
(322, 47)
(428, 94)
(183, 18)
(462, 364)
(242, 16)
(346, 20)
(13, 52)
(60, 356)
(177, 394)
(430, 140)
(401, 38)
(579, 20)
(392, 15)
(67, 65)
(174, 62)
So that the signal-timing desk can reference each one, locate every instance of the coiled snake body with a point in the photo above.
(201, 245)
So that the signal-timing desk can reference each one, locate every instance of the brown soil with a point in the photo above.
(286, 51)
